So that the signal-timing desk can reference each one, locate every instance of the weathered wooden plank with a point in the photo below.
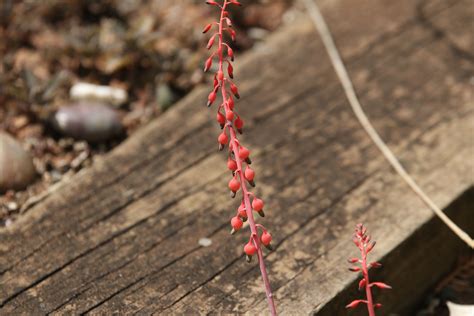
(123, 236)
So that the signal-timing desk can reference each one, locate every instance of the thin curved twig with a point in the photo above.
(346, 82)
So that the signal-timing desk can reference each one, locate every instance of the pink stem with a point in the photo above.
(235, 148)
(368, 290)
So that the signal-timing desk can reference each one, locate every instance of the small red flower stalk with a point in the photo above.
(239, 155)
(362, 241)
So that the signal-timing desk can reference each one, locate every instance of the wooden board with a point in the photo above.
(122, 236)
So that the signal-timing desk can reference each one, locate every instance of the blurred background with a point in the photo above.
(140, 56)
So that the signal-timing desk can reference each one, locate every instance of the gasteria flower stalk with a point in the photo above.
(362, 241)
(238, 155)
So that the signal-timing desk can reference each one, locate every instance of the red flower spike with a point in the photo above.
(232, 34)
(234, 90)
(243, 153)
(266, 238)
(229, 115)
(250, 249)
(242, 212)
(207, 28)
(238, 154)
(257, 205)
(354, 303)
(239, 124)
(362, 240)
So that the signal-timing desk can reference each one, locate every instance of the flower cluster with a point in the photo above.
(238, 161)
(362, 241)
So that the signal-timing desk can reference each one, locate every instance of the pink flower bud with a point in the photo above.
(243, 153)
(232, 34)
(234, 185)
(231, 164)
(354, 303)
(370, 247)
(234, 90)
(250, 249)
(239, 123)
(211, 42)
(380, 285)
(236, 223)
(375, 265)
(207, 28)
(362, 284)
(230, 70)
(220, 76)
(257, 204)
(249, 174)
(223, 139)
(266, 238)
(241, 210)
(211, 98)
(208, 64)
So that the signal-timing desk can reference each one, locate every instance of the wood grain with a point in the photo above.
(122, 236)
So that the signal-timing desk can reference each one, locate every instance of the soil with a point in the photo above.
(142, 46)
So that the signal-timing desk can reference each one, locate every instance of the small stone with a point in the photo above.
(205, 242)
(16, 165)
(93, 122)
(83, 91)
(12, 206)
(165, 97)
